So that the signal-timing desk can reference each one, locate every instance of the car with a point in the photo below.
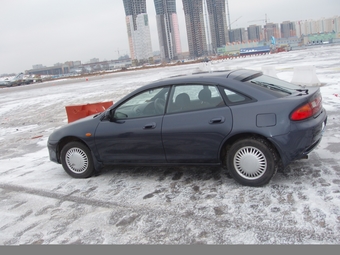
(250, 123)
(15, 81)
(34, 79)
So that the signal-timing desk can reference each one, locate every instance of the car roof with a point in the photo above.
(215, 76)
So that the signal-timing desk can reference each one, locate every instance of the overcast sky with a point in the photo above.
(51, 31)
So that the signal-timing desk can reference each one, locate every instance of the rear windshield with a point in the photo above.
(275, 85)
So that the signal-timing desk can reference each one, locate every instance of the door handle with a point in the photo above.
(150, 125)
(217, 120)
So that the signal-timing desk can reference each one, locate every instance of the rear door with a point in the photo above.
(193, 130)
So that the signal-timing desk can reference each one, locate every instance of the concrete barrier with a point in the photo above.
(269, 70)
(75, 112)
(305, 75)
(205, 67)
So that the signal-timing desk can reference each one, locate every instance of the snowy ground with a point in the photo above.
(41, 204)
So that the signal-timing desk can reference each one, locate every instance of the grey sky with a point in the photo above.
(51, 31)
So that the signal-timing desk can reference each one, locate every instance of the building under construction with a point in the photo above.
(138, 31)
(217, 23)
(168, 29)
(194, 19)
(255, 33)
(271, 30)
(288, 29)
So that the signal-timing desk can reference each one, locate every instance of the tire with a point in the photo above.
(76, 160)
(252, 161)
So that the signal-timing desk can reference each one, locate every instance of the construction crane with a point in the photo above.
(234, 21)
(256, 20)
(265, 20)
(121, 51)
(228, 15)
(265, 27)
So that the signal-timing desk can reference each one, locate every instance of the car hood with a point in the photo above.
(79, 128)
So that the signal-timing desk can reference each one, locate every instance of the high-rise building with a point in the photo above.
(194, 19)
(288, 29)
(238, 35)
(271, 29)
(303, 28)
(331, 24)
(217, 23)
(138, 30)
(254, 33)
(325, 25)
(168, 29)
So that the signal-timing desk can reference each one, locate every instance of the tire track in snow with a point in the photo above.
(261, 230)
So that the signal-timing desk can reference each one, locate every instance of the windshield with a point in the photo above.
(275, 84)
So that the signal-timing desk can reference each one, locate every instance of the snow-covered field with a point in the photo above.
(41, 204)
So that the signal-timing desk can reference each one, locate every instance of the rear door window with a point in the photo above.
(194, 97)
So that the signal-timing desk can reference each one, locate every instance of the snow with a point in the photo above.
(41, 204)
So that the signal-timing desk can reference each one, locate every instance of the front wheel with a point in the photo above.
(252, 162)
(77, 160)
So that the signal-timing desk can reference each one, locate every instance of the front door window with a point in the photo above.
(146, 104)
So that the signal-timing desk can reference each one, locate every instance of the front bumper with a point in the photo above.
(53, 152)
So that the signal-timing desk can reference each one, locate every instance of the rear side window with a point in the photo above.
(234, 97)
(192, 97)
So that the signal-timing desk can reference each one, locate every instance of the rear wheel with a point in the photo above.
(252, 161)
(77, 160)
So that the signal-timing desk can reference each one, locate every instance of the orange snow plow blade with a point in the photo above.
(75, 112)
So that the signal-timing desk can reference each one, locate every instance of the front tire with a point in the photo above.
(76, 160)
(252, 161)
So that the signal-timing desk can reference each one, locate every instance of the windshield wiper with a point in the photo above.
(302, 90)
(271, 86)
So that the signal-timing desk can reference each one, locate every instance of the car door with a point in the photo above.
(134, 134)
(195, 125)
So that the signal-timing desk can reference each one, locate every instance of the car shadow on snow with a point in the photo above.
(174, 173)
(300, 171)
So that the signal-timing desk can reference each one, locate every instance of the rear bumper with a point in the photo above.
(301, 140)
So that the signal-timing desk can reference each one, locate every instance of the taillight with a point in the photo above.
(308, 110)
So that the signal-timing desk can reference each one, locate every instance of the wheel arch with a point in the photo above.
(97, 164)
(226, 145)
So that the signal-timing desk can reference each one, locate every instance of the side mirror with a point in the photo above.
(116, 116)
(107, 115)
(111, 115)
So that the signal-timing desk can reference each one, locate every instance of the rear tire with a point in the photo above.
(77, 160)
(252, 161)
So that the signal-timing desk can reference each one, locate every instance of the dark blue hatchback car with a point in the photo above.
(250, 123)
